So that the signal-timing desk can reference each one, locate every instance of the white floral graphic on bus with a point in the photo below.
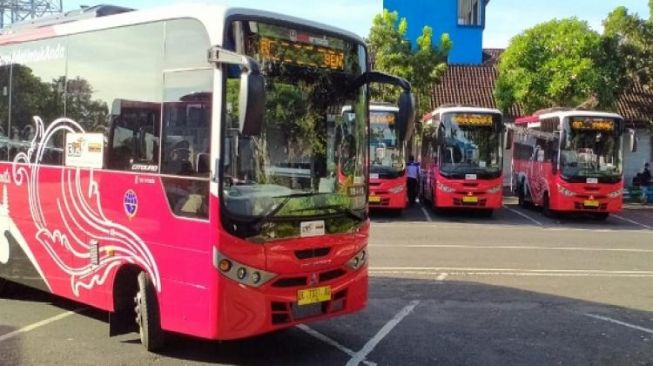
(107, 245)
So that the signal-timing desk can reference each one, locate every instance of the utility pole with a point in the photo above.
(13, 11)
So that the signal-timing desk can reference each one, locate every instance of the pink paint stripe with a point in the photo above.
(31, 35)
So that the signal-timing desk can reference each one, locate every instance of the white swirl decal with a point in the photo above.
(82, 216)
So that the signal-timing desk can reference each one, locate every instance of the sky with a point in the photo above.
(505, 18)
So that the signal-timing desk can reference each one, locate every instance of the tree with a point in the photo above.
(394, 54)
(632, 40)
(558, 63)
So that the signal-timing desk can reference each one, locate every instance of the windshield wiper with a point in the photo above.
(338, 210)
(287, 198)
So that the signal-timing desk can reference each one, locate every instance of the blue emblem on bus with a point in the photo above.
(130, 203)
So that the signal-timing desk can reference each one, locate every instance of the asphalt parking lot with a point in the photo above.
(445, 289)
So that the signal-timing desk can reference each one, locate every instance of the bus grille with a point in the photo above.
(303, 280)
(312, 253)
(482, 202)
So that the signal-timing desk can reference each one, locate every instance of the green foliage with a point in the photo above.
(558, 63)
(631, 39)
(392, 53)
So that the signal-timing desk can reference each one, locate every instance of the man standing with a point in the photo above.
(645, 182)
(412, 172)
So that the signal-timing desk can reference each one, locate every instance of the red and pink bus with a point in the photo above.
(461, 157)
(178, 167)
(387, 159)
(568, 160)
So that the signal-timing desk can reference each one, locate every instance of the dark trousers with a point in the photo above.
(412, 190)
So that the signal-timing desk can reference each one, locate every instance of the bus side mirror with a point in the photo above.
(251, 101)
(633, 140)
(406, 118)
(510, 135)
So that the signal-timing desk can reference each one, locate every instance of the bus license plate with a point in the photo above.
(313, 295)
(470, 199)
(591, 203)
(375, 199)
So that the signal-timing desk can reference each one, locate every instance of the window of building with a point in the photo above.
(470, 12)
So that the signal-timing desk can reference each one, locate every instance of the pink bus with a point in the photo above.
(179, 167)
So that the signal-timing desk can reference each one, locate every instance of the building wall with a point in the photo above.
(634, 162)
(442, 16)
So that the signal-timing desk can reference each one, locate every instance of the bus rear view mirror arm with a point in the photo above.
(633, 139)
(406, 103)
(251, 103)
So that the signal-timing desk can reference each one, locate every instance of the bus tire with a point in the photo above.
(3, 287)
(546, 206)
(147, 315)
(521, 196)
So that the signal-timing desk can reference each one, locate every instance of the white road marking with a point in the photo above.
(523, 215)
(38, 325)
(455, 271)
(426, 214)
(632, 222)
(500, 227)
(442, 276)
(378, 337)
(511, 247)
(610, 320)
(330, 341)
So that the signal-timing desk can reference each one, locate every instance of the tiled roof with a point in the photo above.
(636, 105)
(474, 85)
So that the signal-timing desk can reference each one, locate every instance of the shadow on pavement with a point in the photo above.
(455, 323)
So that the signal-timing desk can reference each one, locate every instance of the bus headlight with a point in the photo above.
(495, 190)
(615, 194)
(565, 192)
(445, 188)
(396, 189)
(239, 272)
(358, 260)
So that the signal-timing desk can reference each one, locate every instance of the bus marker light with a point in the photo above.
(256, 277)
(242, 273)
(225, 265)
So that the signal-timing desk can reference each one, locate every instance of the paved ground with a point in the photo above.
(450, 289)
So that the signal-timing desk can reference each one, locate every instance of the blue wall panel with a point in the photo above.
(442, 16)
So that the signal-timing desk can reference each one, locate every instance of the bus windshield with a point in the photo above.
(308, 160)
(471, 144)
(386, 150)
(591, 149)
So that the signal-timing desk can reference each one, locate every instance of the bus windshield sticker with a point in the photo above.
(85, 150)
(312, 228)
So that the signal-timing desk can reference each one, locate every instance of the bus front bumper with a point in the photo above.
(245, 311)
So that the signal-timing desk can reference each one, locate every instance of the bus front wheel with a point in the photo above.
(546, 206)
(147, 314)
(3, 286)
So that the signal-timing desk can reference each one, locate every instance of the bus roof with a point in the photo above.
(212, 16)
(565, 114)
(459, 109)
(374, 107)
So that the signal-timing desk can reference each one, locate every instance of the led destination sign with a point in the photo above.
(473, 119)
(594, 124)
(301, 54)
